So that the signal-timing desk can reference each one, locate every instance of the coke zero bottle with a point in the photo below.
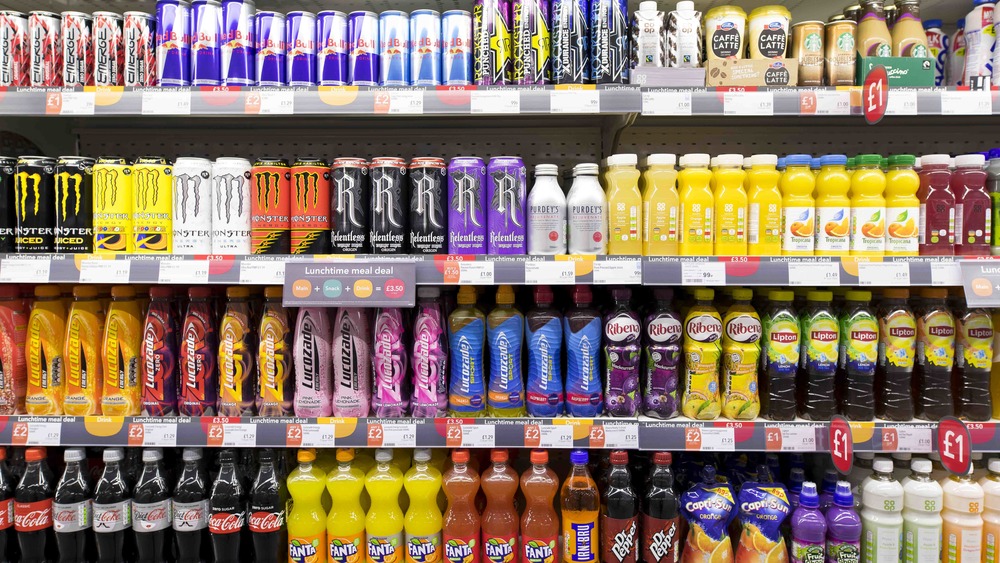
(151, 510)
(112, 509)
(227, 510)
(8, 545)
(73, 508)
(267, 512)
(191, 509)
(33, 509)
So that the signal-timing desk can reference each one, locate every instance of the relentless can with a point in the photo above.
(363, 44)
(570, 42)
(192, 218)
(173, 43)
(428, 206)
(270, 45)
(153, 205)
(78, 53)
(237, 43)
(388, 206)
(331, 62)
(8, 219)
(456, 48)
(506, 189)
(300, 29)
(34, 199)
(349, 206)
(425, 48)
(609, 45)
(532, 42)
(14, 49)
(310, 206)
(75, 205)
(140, 49)
(231, 204)
(493, 65)
(206, 43)
(113, 206)
(109, 49)
(466, 212)
(45, 51)
(270, 221)
(394, 48)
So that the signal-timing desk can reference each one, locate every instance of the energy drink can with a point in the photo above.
(425, 48)
(173, 43)
(152, 200)
(331, 62)
(192, 218)
(506, 187)
(428, 206)
(231, 205)
(570, 42)
(45, 49)
(394, 48)
(109, 49)
(34, 199)
(532, 42)
(237, 43)
(75, 205)
(388, 206)
(349, 206)
(14, 49)
(270, 221)
(456, 48)
(113, 233)
(270, 45)
(466, 212)
(78, 53)
(493, 65)
(300, 29)
(363, 45)
(310, 206)
(609, 45)
(206, 43)
(140, 49)
(8, 220)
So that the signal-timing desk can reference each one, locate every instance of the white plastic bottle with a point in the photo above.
(991, 513)
(587, 213)
(546, 213)
(979, 41)
(922, 503)
(881, 515)
(962, 535)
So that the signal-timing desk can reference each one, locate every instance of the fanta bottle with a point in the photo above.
(963, 520)
(868, 207)
(500, 521)
(82, 353)
(624, 205)
(461, 533)
(423, 521)
(384, 522)
(540, 522)
(902, 208)
(660, 206)
(702, 399)
(306, 519)
(730, 207)
(798, 213)
(937, 206)
(833, 207)
(345, 525)
(44, 346)
(697, 205)
(973, 206)
(764, 215)
(122, 395)
(580, 502)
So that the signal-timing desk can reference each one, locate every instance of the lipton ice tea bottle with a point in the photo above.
(467, 336)
(833, 207)
(798, 213)
(702, 399)
(236, 356)
(462, 523)
(973, 362)
(580, 503)
(624, 205)
(764, 213)
(384, 521)
(697, 205)
(660, 206)
(122, 394)
(897, 350)
(902, 208)
(973, 206)
(730, 207)
(935, 356)
(868, 207)
(44, 352)
(82, 353)
(540, 522)
(937, 206)
(13, 332)
(858, 356)
(345, 524)
(820, 353)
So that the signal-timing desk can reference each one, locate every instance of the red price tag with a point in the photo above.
(19, 434)
(532, 436)
(453, 435)
(383, 101)
(890, 440)
(692, 439)
(136, 435)
(598, 436)
(216, 433)
(875, 95)
(375, 435)
(955, 445)
(841, 444)
(53, 103)
(394, 288)
(293, 436)
(251, 103)
(772, 439)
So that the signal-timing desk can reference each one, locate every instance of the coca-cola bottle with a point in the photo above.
(151, 518)
(191, 509)
(227, 510)
(8, 547)
(267, 512)
(33, 509)
(17, 463)
(112, 509)
(73, 508)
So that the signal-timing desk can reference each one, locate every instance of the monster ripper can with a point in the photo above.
(8, 220)
(310, 206)
(350, 193)
(428, 206)
(153, 205)
(388, 201)
(75, 205)
(113, 206)
(270, 202)
(34, 195)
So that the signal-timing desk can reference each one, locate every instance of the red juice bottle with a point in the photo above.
(937, 206)
(540, 522)
(973, 206)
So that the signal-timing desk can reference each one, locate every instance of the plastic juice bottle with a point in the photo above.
(505, 330)
(937, 206)
(902, 207)
(843, 527)
(858, 356)
(619, 522)
(390, 364)
(868, 207)
(709, 506)
(993, 186)
(307, 519)
(467, 334)
(763, 507)
(13, 332)
(881, 515)
(345, 525)
(660, 206)
(922, 503)
(820, 352)
(540, 522)
(500, 520)
(44, 352)
(697, 205)
(159, 354)
(580, 504)
(702, 351)
(661, 357)
(543, 331)
(384, 521)
(798, 212)
(461, 529)
(583, 329)
(429, 356)
(896, 352)
(808, 528)
(276, 383)
(624, 206)
(122, 392)
(782, 337)
(991, 513)
(973, 363)
(765, 201)
(833, 207)
(740, 358)
(82, 352)
(973, 206)
(935, 356)
(423, 521)
(236, 356)
(661, 523)
(963, 522)
(351, 358)
(622, 350)
(730, 207)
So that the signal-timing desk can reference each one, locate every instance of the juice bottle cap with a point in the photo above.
(933, 24)
(994, 465)
(843, 496)
(934, 293)
(71, 454)
(764, 160)
(421, 455)
(345, 455)
(902, 456)
(796, 477)
(227, 456)
(546, 170)
(816, 163)
(695, 159)
(3, 454)
(935, 160)
(200, 292)
(428, 292)
(47, 291)
(543, 295)
(882, 465)
(85, 291)
(742, 294)
(820, 296)
(714, 162)
(191, 454)
(830, 479)
(868, 160)
(619, 457)
(237, 292)
(661, 159)
(970, 161)
(781, 295)
(798, 160)
(708, 474)
(994, 154)
(981, 2)
(579, 457)
(925, 465)
(10, 292)
(582, 294)
(151, 455)
(903, 160)
(663, 294)
(808, 497)
(110, 455)
(896, 293)
(663, 458)
(621, 294)
(859, 296)
(782, 163)
(498, 456)
(833, 160)
(505, 295)
(161, 292)
(466, 295)
(123, 291)
(539, 457)
(586, 169)
(460, 456)
(730, 160)
(704, 294)
(273, 292)
(623, 160)
(747, 162)
(306, 455)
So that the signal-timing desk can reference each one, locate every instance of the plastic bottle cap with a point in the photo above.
(428, 292)
(546, 170)
(820, 296)
(833, 160)
(587, 169)
(708, 474)
(925, 466)
(460, 456)
(730, 160)
(619, 457)
(71, 454)
(505, 295)
(859, 296)
(123, 292)
(273, 292)
(901, 457)
(539, 457)
(543, 295)
(782, 164)
(747, 162)
(110, 455)
(623, 160)
(868, 160)
(47, 291)
(843, 496)
(621, 294)
(713, 162)
(85, 292)
(582, 294)
(781, 295)
(703, 294)
(166, 292)
(935, 160)
(152, 454)
(934, 293)
(237, 292)
(663, 458)
(994, 465)
(663, 294)
(798, 160)
(3, 454)
(345, 455)
(882, 465)
(933, 24)
(970, 161)
(498, 456)
(191, 454)
(907, 160)
(809, 497)
(647, 7)
(306, 455)
(466, 295)
(695, 160)
(579, 457)
(896, 293)
(764, 160)
(661, 159)
(816, 163)
(742, 294)
(199, 293)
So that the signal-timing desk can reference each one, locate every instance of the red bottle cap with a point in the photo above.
(539, 457)
(161, 291)
(10, 291)
(663, 458)
(619, 457)
(498, 456)
(582, 294)
(460, 456)
(34, 454)
(200, 293)
(3, 453)
(543, 295)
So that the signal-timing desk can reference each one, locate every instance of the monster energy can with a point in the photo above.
(428, 206)
(192, 206)
(231, 224)
(152, 205)
(8, 221)
(75, 204)
(113, 206)
(270, 216)
(34, 194)
(310, 206)
(388, 203)
(505, 213)
(349, 197)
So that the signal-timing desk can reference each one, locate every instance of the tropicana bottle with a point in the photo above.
(902, 208)
(833, 207)
(697, 205)
(868, 207)
(661, 206)
(798, 218)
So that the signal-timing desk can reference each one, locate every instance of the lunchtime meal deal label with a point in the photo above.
(350, 284)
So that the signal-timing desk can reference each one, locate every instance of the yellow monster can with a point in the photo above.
(153, 203)
(113, 206)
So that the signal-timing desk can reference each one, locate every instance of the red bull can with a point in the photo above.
(109, 49)
(78, 54)
(173, 43)
(206, 43)
(331, 63)
(237, 43)
(140, 49)
(394, 48)
(14, 48)
(270, 45)
(300, 29)
(456, 46)
(45, 52)
(363, 45)
(425, 48)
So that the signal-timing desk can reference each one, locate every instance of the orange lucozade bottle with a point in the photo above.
(500, 521)
(461, 533)
(539, 523)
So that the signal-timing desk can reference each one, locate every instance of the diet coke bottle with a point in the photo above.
(191, 510)
(73, 508)
(8, 545)
(267, 512)
(112, 509)
(227, 510)
(151, 517)
(33, 509)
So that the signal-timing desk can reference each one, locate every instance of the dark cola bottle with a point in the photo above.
(661, 534)
(267, 512)
(226, 510)
(112, 509)
(245, 464)
(73, 508)
(619, 514)
(8, 542)
(191, 509)
(151, 510)
(33, 509)
(17, 463)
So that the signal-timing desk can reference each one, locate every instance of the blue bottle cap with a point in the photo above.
(708, 474)
(782, 164)
(960, 24)
(994, 154)
(843, 496)
(798, 160)
(579, 457)
(933, 24)
(981, 2)
(833, 160)
(808, 497)
(816, 163)
(796, 477)
(830, 481)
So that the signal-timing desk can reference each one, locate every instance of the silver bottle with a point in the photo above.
(546, 213)
(588, 212)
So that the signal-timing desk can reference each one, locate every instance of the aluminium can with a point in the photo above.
(78, 49)
(350, 194)
(570, 41)
(8, 220)
(270, 46)
(192, 216)
(206, 43)
(394, 48)
(231, 206)
(109, 49)
(428, 206)
(609, 41)
(492, 50)
(45, 50)
(389, 201)
(466, 205)
(113, 232)
(310, 211)
(140, 49)
(331, 40)
(238, 43)
(300, 29)
(75, 205)
(173, 43)
(153, 205)
(425, 48)
(14, 49)
(506, 197)
(456, 48)
(363, 45)
(35, 206)
(532, 42)
(270, 206)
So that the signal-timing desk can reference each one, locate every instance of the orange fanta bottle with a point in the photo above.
(461, 519)
(500, 521)
(580, 502)
(539, 523)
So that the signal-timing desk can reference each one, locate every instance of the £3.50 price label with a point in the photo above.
(232, 435)
(36, 433)
(470, 435)
(310, 435)
(152, 435)
(548, 436)
(392, 435)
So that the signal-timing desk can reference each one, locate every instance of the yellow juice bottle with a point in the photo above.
(384, 521)
(82, 353)
(122, 389)
(764, 198)
(868, 207)
(307, 519)
(833, 207)
(345, 525)
(730, 206)
(962, 532)
(697, 205)
(624, 206)
(423, 520)
(902, 207)
(702, 398)
(660, 206)
(798, 221)
(44, 352)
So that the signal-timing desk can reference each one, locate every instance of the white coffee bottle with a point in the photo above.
(546, 213)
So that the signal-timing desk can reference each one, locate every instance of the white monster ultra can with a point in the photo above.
(192, 206)
(231, 206)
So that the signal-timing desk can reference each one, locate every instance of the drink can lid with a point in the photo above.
(730, 160)
(619, 457)
(935, 160)
(306, 455)
(579, 457)
(695, 159)
(152, 454)
(798, 160)
(546, 170)
(809, 498)
(191, 454)
(422, 455)
(933, 24)
(780, 295)
(345, 455)
(498, 456)
(925, 466)
(833, 160)
(661, 159)
(111, 454)
(902, 160)
(764, 160)
(663, 458)
(72, 454)
(538, 457)
(460, 456)
(970, 161)
(623, 160)
(882, 465)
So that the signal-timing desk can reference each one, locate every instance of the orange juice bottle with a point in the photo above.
(764, 197)
(82, 353)
(44, 351)
(730, 206)
(902, 207)
(624, 205)
(798, 211)
(122, 390)
(833, 207)
(660, 206)
(868, 207)
(963, 521)
(697, 205)
(580, 503)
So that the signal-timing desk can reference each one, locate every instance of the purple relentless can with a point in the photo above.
(300, 29)
(491, 34)
(331, 63)
(363, 59)
(270, 45)
(140, 49)
(173, 43)
(506, 186)
(466, 214)
(206, 43)
(456, 47)
(237, 43)
(532, 42)
(394, 48)
(425, 48)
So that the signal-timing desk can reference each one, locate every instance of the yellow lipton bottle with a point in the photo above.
(730, 206)
(82, 353)
(660, 206)
(697, 205)
(902, 207)
(833, 207)
(868, 207)
(44, 349)
(624, 206)
(764, 197)
(122, 392)
(798, 213)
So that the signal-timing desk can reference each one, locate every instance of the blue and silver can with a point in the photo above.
(609, 44)
(300, 29)
(456, 48)
(570, 42)
(237, 43)
(363, 45)
(394, 48)
(425, 47)
(270, 46)
(331, 63)
(206, 43)
(173, 43)
(532, 42)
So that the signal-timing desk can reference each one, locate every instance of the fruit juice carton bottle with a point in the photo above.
(922, 504)
(843, 527)
(765, 202)
(429, 356)
(730, 207)
(798, 212)
(661, 360)
(312, 346)
(505, 332)
(82, 353)
(962, 530)
(993, 186)
(580, 503)
(820, 352)
(859, 333)
(199, 349)
(896, 354)
(423, 520)
(881, 514)
(709, 506)
(307, 521)
(763, 507)
(937, 207)
(741, 332)
(973, 206)
(467, 339)
(544, 335)
(276, 386)
(781, 338)
(624, 206)
(501, 523)
(973, 362)
(991, 512)
(661, 522)
(697, 221)
(384, 520)
(583, 329)
(351, 362)
(44, 352)
(390, 364)
(660, 206)
(236, 356)
(935, 356)
(122, 392)
(702, 351)
(345, 524)
(868, 207)
(540, 521)
(902, 207)
(619, 523)
(622, 348)
(808, 528)
(13, 333)
(833, 207)
(461, 534)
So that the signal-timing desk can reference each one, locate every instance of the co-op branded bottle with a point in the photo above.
(82, 353)
(122, 393)
(973, 206)
(764, 214)
(587, 212)
(619, 521)
(505, 333)
(661, 358)
(467, 340)
(582, 327)
(935, 356)
(741, 332)
(858, 357)
(991, 512)
(781, 347)
(697, 222)
(44, 352)
(624, 206)
(730, 206)
(622, 333)
(902, 208)
(833, 207)
(660, 206)
(702, 399)
(462, 521)
(384, 521)
(868, 207)
(881, 514)
(798, 212)
(963, 521)
(937, 207)
(820, 352)
(543, 333)
(540, 521)
(580, 503)
(896, 353)
(500, 521)
(546, 213)
(922, 504)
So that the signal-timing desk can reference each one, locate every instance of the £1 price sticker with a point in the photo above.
(666, 102)
(24, 270)
(475, 272)
(884, 274)
(549, 273)
(890, 440)
(902, 102)
(70, 103)
(183, 272)
(827, 102)
(798, 438)
(915, 439)
(703, 273)
(497, 102)
(105, 271)
(617, 272)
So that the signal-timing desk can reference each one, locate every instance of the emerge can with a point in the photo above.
(206, 43)
(34, 200)
(78, 51)
(609, 45)
(45, 49)
(109, 49)
(237, 43)
(492, 38)
(231, 206)
(310, 213)
(425, 48)
(363, 46)
(388, 206)
(506, 179)
(113, 206)
(192, 218)
(466, 212)
(270, 46)
(331, 39)
(173, 43)
(152, 200)
(14, 49)
(75, 205)
(456, 48)
(270, 222)
(140, 49)
(8, 220)
(300, 29)
(570, 42)
(394, 48)
(428, 206)
(349, 206)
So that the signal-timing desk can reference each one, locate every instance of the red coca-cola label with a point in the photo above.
(33, 516)
(619, 540)
(226, 522)
(266, 522)
(6, 513)
(660, 540)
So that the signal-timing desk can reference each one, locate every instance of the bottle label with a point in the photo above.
(974, 222)
(580, 540)
(430, 363)
(661, 367)
(66, 518)
(783, 344)
(539, 550)
(822, 341)
(7, 514)
(115, 517)
(843, 551)
(732, 227)
(389, 365)
(461, 549)
(44, 362)
(798, 227)
(343, 549)
(584, 393)
(868, 229)
(274, 358)
(937, 222)
(936, 339)
(963, 545)
(833, 231)
(898, 339)
(619, 540)
(975, 341)
(545, 381)
(660, 539)
(198, 349)
(807, 552)
(547, 229)
(859, 347)
(621, 360)
(122, 393)
(226, 522)
(881, 545)
(661, 224)
(696, 223)
(764, 225)
(236, 363)
(923, 544)
(423, 549)
(266, 522)
(467, 389)
(384, 549)
(499, 549)
(902, 236)
(158, 355)
(33, 516)
(306, 549)
(190, 516)
(151, 517)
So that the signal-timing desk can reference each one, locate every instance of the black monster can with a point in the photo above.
(75, 205)
(350, 192)
(8, 220)
(388, 204)
(428, 206)
(35, 208)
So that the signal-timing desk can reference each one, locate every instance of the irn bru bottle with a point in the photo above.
(423, 521)
(461, 533)
(764, 214)
(730, 207)
(833, 207)
(345, 525)
(540, 522)
(82, 353)
(122, 392)
(697, 205)
(660, 206)
(624, 206)
(307, 519)
(500, 520)
(937, 206)
(973, 206)
(44, 351)
(580, 503)
(798, 222)
(902, 208)
(384, 521)
(868, 207)
(963, 521)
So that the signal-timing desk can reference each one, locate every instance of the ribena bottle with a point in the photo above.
(227, 510)
(190, 504)
(33, 509)
(72, 508)
(267, 511)
(151, 507)
(112, 509)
